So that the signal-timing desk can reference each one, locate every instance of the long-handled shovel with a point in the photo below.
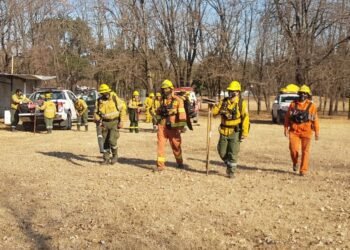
(208, 136)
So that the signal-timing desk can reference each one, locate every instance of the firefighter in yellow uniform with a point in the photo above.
(148, 105)
(234, 126)
(134, 107)
(17, 99)
(49, 108)
(153, 110)
(109, 114)
(82, 113)
(171, 118)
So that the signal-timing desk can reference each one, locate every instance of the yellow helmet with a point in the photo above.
(234, 86)
(135, 93)
(167, 84)
(151, 94)
(305, 89)
(48, 95)
(158, 94)
(104, 88)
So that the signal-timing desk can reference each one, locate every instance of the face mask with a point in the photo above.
(303, 97)
(166, 92)
(232, 94)
(105, 96)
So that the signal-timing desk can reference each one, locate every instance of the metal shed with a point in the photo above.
(10, 82)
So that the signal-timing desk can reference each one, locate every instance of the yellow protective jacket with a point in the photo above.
(229, 126)
(81, 106)
(49, 108)
(16, 100)
(176, 114)
(148, 103)
(155, 106)
(133, 104)
(111, 109)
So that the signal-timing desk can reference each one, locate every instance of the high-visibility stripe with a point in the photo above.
(160, 159)
(181, 110)
(178, 124)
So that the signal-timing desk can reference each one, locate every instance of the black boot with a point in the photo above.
(114, 159)
(106, 159)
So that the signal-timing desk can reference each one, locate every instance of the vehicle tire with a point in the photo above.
(279, 118)
(274, 120)
(28, 126)
(68, 122)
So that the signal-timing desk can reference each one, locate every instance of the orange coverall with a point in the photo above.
(177, 120)
(301, 133)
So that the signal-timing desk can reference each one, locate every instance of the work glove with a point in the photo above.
(120, 125)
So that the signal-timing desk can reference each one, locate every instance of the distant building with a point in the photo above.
(10, 82)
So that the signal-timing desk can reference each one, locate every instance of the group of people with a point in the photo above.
(49, 109)
(167, 113)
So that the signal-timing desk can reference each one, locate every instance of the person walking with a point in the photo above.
(171, 119)
(153, 111)
(134, 108)
(234, 126)
(49, 108)
(148, 105)
(82, 113)
(109, 115)
(300, 121)
(16, 100)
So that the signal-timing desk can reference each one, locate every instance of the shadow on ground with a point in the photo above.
(23, 216)
(245, 167)
(151, 164)
(70, 157)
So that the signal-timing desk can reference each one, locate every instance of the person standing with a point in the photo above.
(171, 117)
(153, 111)
(300, 120)
(234, 126)
(16, 100)
(49, 108)
(134, 108)
(82, 113)
(148, 105)
(109, 114)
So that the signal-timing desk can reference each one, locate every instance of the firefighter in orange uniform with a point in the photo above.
(300, 120)
(171, 118)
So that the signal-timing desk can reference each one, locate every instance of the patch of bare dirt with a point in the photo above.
(55, 194)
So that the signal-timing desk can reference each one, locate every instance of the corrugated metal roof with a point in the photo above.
(29, 77)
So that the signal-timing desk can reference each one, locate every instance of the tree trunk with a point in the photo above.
(331, 102)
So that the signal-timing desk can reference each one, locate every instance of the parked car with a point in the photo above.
(280, 106)
(195, 105)
(65, 113)
(90, 96)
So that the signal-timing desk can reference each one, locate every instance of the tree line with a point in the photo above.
(133, 44)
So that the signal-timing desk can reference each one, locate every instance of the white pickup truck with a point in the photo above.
(65, 113)
(280, 106)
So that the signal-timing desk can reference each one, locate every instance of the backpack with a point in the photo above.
(300, 116)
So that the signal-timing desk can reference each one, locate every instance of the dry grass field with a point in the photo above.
(54, 194)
